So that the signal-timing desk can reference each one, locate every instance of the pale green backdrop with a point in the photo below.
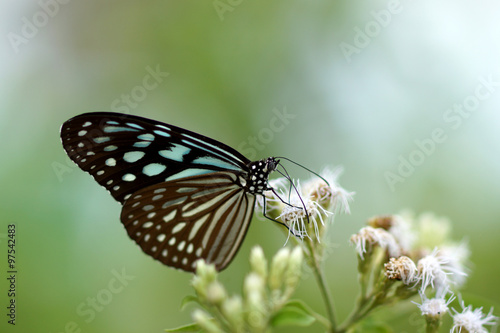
(368, 85)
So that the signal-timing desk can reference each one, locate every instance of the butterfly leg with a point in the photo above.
(281, 223)
(286, 203)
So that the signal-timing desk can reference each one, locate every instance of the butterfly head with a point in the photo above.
(259, 174)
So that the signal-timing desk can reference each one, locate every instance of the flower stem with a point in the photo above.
(315, 263)
(432, 325)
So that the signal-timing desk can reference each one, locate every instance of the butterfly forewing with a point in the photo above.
(199, 217)
(126, 153)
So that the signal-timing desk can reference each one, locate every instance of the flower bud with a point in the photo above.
(258, 262)
(278, 267)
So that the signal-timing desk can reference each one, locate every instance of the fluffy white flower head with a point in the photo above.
(307, 207)
(438, 271)
(435, 307)
(432, 271)
(368, 236)
(472, 321)
(297, 220)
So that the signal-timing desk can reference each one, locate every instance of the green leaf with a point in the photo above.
(296, 303)
(186, 328)
(293, 314)
(189, 299)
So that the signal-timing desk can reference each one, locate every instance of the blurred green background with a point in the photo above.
(366, 84)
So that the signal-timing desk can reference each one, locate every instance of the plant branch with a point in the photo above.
(315, 263)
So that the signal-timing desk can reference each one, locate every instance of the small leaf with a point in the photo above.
(189, 299)
(186, 328)
(295, 303)
(292, 316)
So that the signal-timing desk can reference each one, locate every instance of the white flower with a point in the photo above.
(399, 227)
(402, 230)
(435, 307)
(432, 271)
(456, 256)
(402, 268)
(329, 194)
(369, 236)
(472, 320)
(304, 209)
(299, 220)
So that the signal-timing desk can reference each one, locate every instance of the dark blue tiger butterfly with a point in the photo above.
(185, 196)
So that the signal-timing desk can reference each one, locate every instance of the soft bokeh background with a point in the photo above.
(227, 73)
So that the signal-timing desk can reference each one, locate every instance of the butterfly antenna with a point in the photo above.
(287, 176)
(303, 167)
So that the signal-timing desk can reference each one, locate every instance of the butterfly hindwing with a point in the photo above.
(126, 153)
(200, 217)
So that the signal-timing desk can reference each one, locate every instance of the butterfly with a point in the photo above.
(185, 196)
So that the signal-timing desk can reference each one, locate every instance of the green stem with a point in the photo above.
(432, 325)
(325, 292)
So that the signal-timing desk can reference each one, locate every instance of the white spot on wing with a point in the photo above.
(197, 227)
(87, 123)
(147, 137)
(148, 208)
(209, 160)
(82, 133)
(128, 177)
(113, 129)
(101, 139)
(157, 197)
(169, 216)
(141, 144)
(187, 173)
(178, 227)
(176, 152)
(135, 125)
(162, 133)
(163, 126)
(133, 156)
(153, 169)
(110, 148)
(161, 237)
(111, 162)
(148, 224)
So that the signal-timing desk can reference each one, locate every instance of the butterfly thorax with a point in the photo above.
(255, 181)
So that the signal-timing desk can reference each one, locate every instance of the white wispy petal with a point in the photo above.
(472, 320)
